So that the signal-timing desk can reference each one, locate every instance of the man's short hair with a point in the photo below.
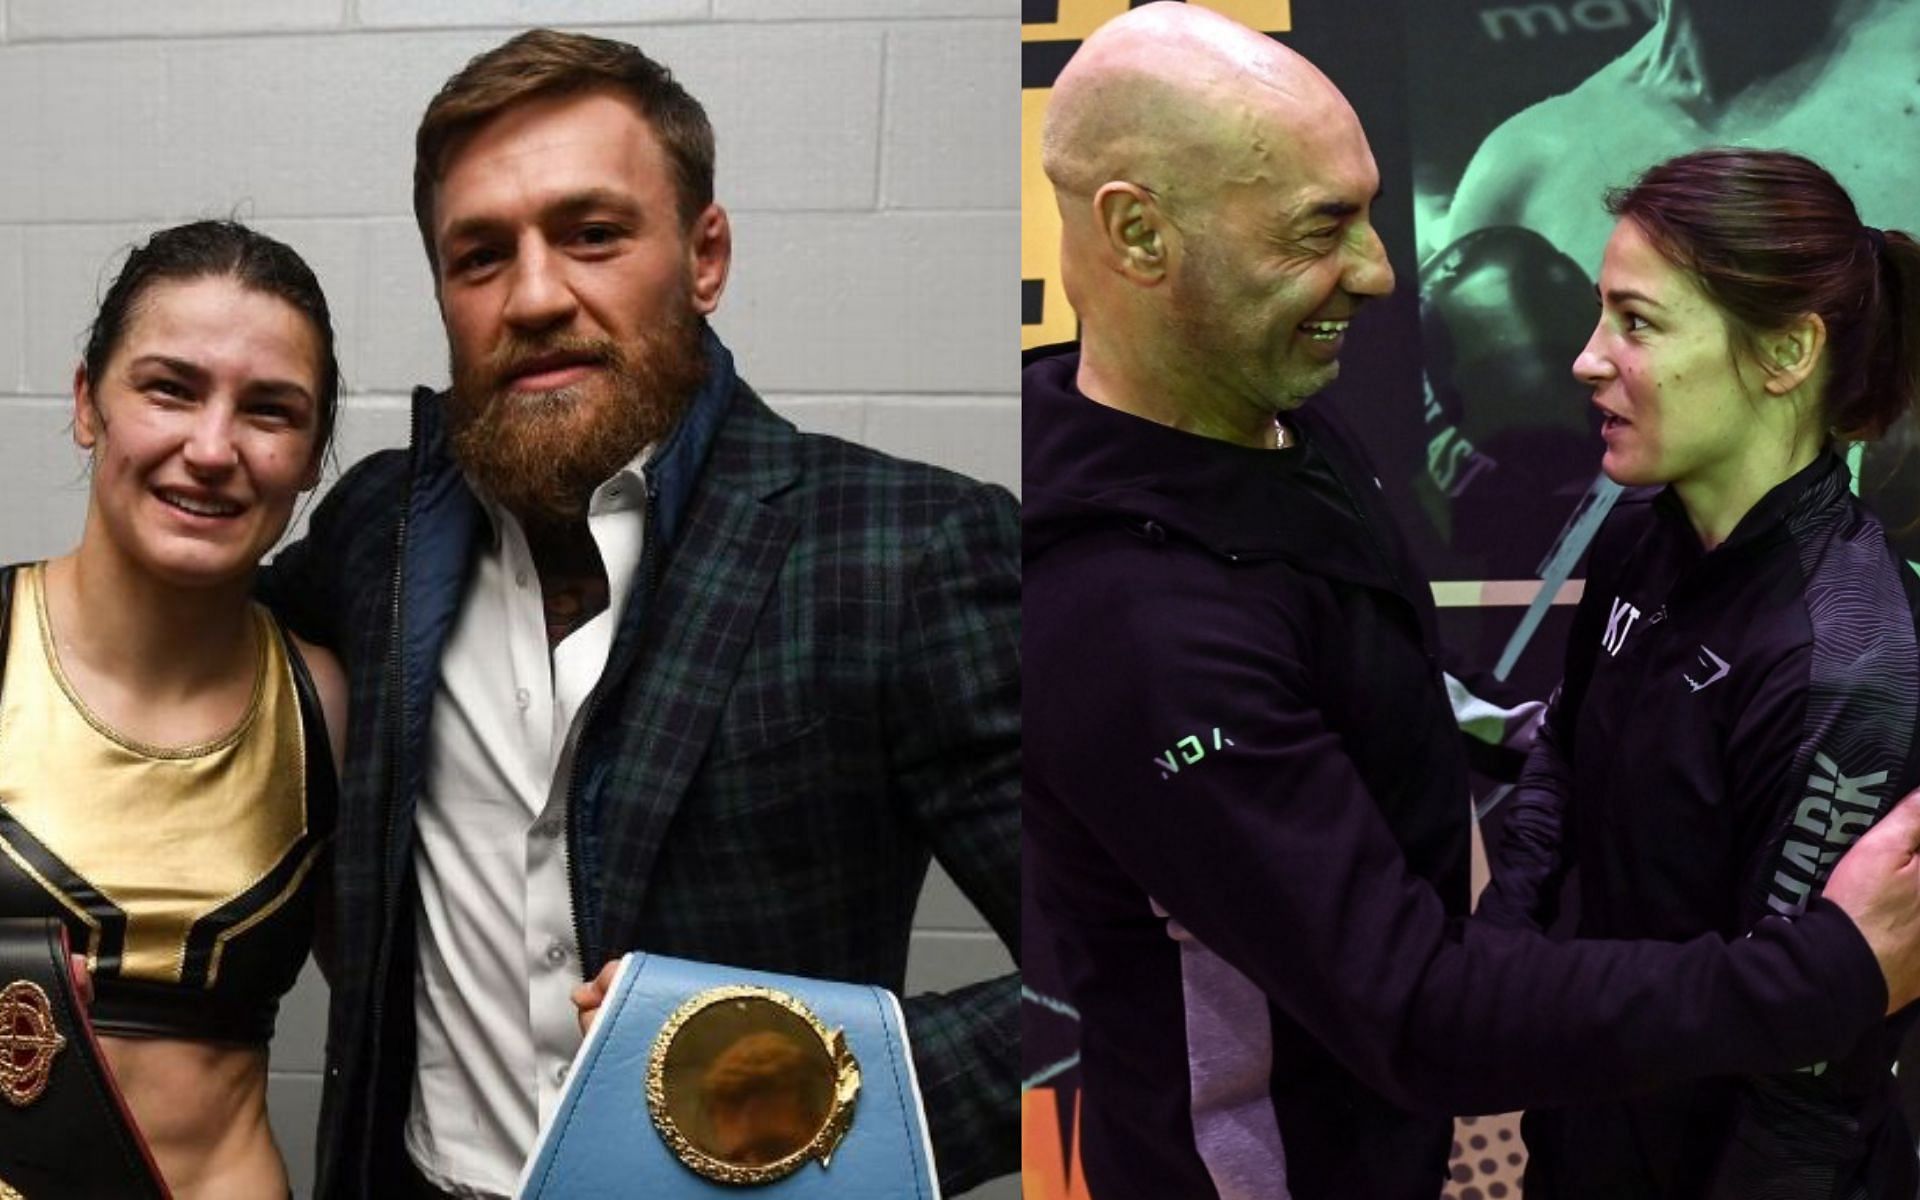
(542, 63)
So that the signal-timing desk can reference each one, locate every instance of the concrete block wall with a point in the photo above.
(866, 153)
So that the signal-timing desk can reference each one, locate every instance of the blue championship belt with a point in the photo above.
(700, 1080)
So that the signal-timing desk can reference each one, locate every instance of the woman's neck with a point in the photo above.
(1715, 505)
(112, 619)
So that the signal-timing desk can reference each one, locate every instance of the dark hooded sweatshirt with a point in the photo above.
(1730, 721)
(1246, 807)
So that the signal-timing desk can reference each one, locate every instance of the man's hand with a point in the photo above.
(1877, 883)
(589, 996)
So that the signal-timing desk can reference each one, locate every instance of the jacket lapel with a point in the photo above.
(440, 523)
(721, 570)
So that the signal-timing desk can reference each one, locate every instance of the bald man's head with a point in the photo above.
(1179, 99)
(1215, 193)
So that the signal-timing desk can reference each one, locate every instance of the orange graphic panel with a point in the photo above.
(1049, 1170)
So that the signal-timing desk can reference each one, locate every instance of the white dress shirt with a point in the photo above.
(494, 924)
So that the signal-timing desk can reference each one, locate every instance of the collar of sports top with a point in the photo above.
(1806, 495)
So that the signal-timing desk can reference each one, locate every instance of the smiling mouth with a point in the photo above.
(1324, 331)
(200, 506)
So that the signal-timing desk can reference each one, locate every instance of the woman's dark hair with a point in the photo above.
(220, 249)
(1771, 237)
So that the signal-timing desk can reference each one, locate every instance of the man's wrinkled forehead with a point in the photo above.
(1261, 134)
(1276, 164)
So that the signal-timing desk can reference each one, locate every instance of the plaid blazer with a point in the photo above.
(815, 688)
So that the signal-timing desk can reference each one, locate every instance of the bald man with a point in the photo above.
(1245, 797)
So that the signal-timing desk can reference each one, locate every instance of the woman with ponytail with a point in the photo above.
(1742, 687)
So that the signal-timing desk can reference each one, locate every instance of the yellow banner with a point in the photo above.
(1075, 19)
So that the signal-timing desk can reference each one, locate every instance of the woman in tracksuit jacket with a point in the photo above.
(1742, 684)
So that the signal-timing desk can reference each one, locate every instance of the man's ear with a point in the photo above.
(86, 418)
(1134, 231)
(1790, 356)
(710, 254)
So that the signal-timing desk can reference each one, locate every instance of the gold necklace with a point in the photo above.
(1282, 436)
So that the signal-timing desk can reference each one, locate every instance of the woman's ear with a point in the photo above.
(86, 417)
(1790, 356)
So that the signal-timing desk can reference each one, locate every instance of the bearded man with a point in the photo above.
(636, 664)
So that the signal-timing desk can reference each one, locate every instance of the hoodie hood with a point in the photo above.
(1087, 465)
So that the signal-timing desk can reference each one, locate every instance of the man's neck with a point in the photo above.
(1121, 378)
(573, 579)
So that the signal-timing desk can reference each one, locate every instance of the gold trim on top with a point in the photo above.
(839, 1117)
(289, 654)
(9, 1192)
(299, 727)
(262, 913)
(67, 902)
(262, 668)
(27, 1028)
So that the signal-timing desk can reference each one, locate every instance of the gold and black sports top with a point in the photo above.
(186, 874)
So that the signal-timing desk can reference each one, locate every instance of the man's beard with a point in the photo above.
(541, 454)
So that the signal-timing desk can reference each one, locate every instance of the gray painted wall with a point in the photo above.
(866, 155)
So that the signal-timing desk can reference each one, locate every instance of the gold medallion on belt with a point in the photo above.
(29, 1040)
